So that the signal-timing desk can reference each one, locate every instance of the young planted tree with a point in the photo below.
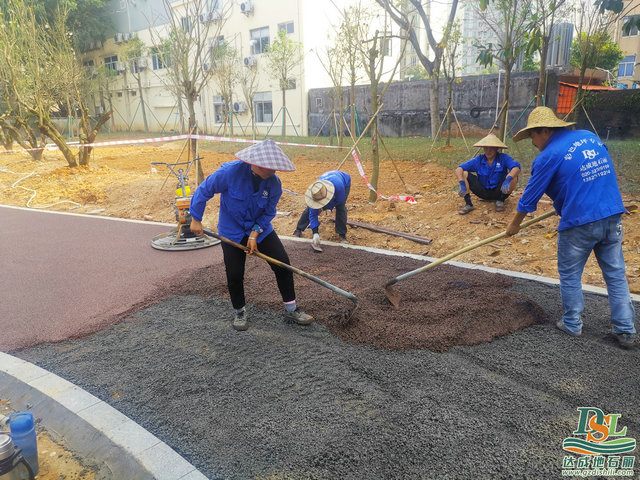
(185, 43)
(508, 20)
(334, 62)
(248, 79)
(134, 53)
(452, 39)
(224, 63)
(284, 58)
(403, 16)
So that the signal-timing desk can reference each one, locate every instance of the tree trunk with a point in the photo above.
(144, 108)
(352, 108)
(540, 100)
(47, 128)
(434, 105)
(284, 112)
(504, 116)
(375, 155)
(193, 129)
(449, 107)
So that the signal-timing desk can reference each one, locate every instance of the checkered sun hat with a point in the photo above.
(266, 154)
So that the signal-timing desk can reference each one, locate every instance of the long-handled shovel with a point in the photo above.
(333, 288)
(394, 297)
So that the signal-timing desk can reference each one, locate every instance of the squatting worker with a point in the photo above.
(249, 192)
(492, 175)
(330, 191)
(575, 170)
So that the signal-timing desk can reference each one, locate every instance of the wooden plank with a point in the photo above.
(378, 229)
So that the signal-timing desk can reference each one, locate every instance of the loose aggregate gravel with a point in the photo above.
(469, 378)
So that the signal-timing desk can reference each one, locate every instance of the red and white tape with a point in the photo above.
(405, 198)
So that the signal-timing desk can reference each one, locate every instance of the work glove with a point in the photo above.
(462, 191)
(316, 240)
(506, 185)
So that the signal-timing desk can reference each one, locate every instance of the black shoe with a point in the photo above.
(297, 233)
(343, 239)
(626, 340)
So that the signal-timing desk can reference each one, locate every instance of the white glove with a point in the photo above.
(316, 239)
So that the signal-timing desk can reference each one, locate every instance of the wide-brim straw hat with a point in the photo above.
(538, 118)
(490, 141)
(319, 194)
(266, 154)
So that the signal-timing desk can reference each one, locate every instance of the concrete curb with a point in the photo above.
(116, 444)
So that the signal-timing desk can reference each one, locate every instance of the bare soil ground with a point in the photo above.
(121, 182)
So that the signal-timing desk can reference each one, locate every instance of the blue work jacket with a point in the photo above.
(240, 207)
(342, 182)
(490, 176)
(576, 172)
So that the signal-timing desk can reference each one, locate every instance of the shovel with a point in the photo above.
(286, 266)
(394, 297)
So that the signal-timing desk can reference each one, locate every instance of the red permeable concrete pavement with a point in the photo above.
(66, 275)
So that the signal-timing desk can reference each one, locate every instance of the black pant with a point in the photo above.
(234, 261)
(341, 217)
(484, 193)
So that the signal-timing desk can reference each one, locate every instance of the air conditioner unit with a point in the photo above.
(212, 16)
(246, 7)
(206, 66)
(250, 61)
(99, 110)
(120, 66)
(143, 62)
(118, 37)
(239, 107)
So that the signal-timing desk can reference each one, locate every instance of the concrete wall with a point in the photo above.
(476, 100)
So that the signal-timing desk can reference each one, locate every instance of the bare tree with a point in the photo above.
(185, 45)
(249, 84)
(284, 57)
(134, 53)
(334, 61)
(225, 61)
(403, 16)
(508, 20)
(452, 39)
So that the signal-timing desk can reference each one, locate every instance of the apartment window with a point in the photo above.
(263, 107)
(291, 84)
(110, 63)
(119, 94)
(185, 22)
(218, 109)
(259, 39)
(133, 93)
(319, 102)
(88, 63)
(634, 28)
(385, 46)
(159, 60)
(625, 67)
(287, 27)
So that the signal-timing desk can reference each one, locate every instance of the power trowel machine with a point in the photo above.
(181, 237)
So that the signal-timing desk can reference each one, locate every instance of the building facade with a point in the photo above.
(246, 26)
(628, 74)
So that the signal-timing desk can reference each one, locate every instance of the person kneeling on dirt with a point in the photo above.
(330, 191)
(492, 175)
(249, 193)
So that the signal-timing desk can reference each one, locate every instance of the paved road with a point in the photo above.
(66, 275)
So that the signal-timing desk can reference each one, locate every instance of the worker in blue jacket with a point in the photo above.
(574, 169)
(492, 175)
(330, 191)
(249, 193)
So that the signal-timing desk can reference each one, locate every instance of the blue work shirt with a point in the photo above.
(342, 182)
(490, 176)
(240, 207)
(576, 172)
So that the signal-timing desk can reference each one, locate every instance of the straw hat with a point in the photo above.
(319, 194)
(540, 117)
(266, 154)
(490, 141)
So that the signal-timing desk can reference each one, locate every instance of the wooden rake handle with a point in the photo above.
(466, 249)
(286, 266)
